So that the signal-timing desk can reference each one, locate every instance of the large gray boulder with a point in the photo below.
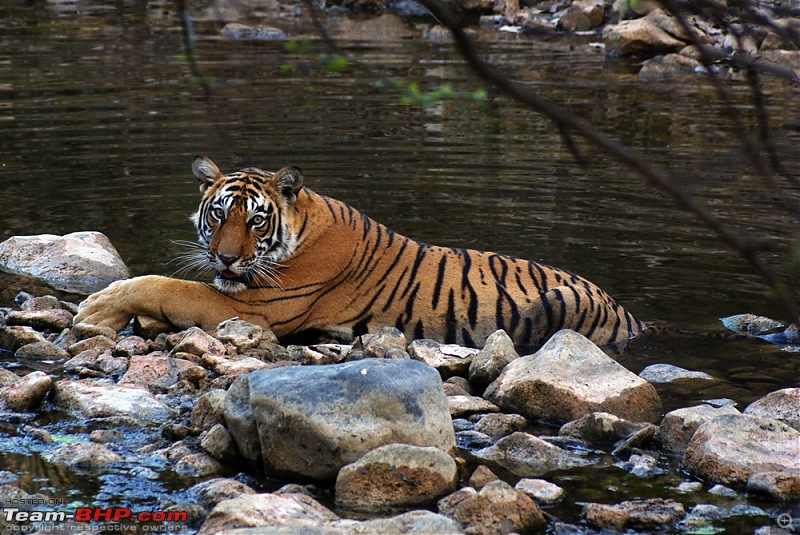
(81, 262)
(310, 421)
(570, 377)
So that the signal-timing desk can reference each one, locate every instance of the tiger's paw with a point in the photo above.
(109, 307)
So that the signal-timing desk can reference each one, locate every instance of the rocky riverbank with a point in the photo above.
(385, 436)
(725, 37)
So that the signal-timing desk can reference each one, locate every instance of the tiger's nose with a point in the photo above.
(227, 260)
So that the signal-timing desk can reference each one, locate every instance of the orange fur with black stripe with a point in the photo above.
(291, 260)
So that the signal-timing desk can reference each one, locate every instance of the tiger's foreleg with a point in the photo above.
(179, 302)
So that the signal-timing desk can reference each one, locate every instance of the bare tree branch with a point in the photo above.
(745, 247)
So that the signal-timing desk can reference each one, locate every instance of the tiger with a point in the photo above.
(293, 261)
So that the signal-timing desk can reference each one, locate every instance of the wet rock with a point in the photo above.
(83, 331)
(641, 466)
(637, 514)
(81, 262)
(103, 436)
(41, 350)
(583, 15)
(689, 487)
(91, 363)
(158, 372)
(461, 406)
(599, 428)
(729, 449)
(473, 440)
(87, 456)
(678, 427)
(236, 31)
(750, 324)
(241, 334)
(97, 343)
(7, 377)
(528, 456)
(96, 400)
(395, 476)
(198, 342)
(51, 320)
(497, 508)
(14, 337)
(668, 66)
(198, 465)
(150, 328)
(263, 510)
(462, 383)
(449, 359)
(32, 303)
(343, 410)
(500, 425)
(209, 493)
(26, 393)
(319, 354)
(131, 346)
(783, 405)
(388, 342)
(412, 522)
(219, 444)
(568, 378)
(208, 410)
(636, 440)
(638, 37)
(233, 366)
(492, 359)
(481, 477)
(781, 485)
(542, 491)
(240, 420)
(667, 373)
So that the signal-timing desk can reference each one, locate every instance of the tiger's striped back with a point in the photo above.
(348, 275)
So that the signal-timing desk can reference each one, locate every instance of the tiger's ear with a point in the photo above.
(288, 181)
(206, 172)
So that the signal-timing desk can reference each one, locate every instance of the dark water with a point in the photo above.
(99, 120)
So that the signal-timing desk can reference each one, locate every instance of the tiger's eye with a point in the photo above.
(218, 214)
(257, 221)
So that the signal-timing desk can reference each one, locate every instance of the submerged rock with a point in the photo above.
(667, 373)
(310, 421)
(81, 262)
(568, 378)
(396, 476)
(529, 456)
(637, 514)
(87, 456)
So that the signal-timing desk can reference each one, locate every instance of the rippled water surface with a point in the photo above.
(100, 117)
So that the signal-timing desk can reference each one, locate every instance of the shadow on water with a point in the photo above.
(100, 120)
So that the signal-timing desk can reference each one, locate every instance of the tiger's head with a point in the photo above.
(242, 222)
